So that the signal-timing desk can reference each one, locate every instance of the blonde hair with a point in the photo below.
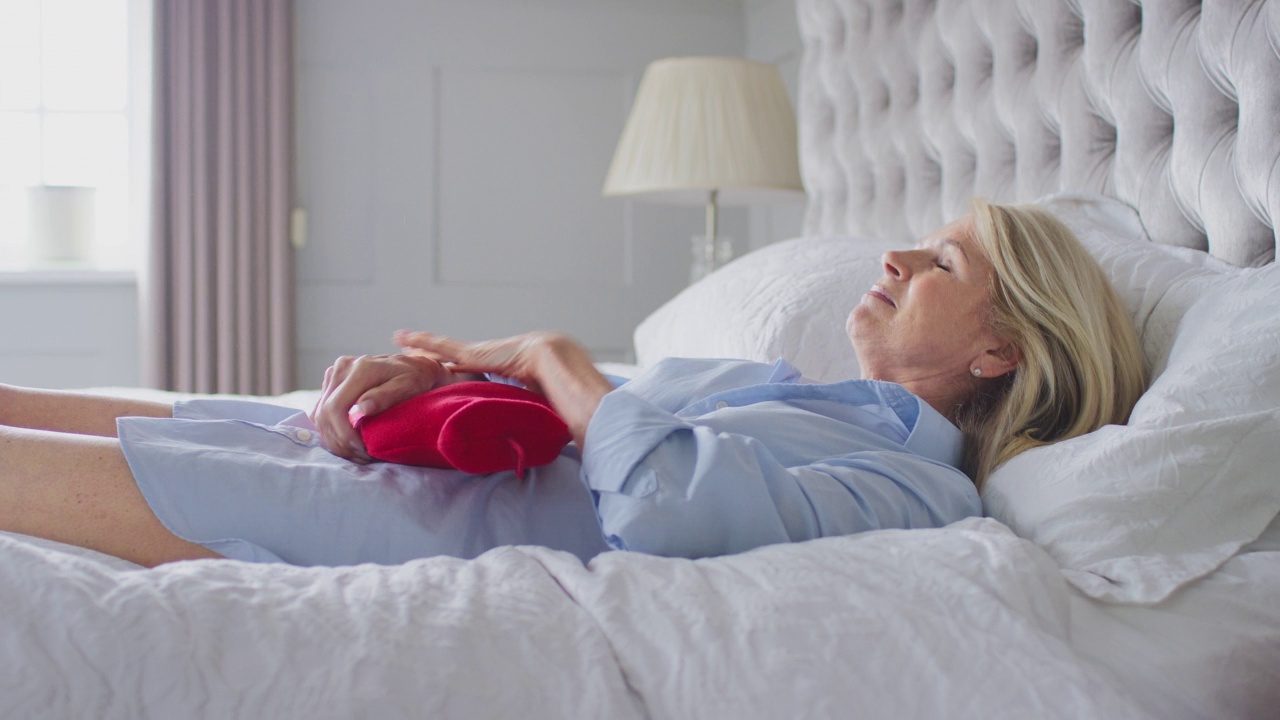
(1081, 364)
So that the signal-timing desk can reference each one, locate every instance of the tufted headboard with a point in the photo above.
(909, 107)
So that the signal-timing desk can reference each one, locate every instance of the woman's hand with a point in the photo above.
(552, 364)
(370, 383)
(515, 357)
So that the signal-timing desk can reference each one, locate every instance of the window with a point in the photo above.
(74, 106)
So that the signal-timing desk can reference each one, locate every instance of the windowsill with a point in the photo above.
(68, 276)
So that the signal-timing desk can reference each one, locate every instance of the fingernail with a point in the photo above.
(368, 407)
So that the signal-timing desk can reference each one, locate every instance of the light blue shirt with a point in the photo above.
(709, 457)
(692, 458)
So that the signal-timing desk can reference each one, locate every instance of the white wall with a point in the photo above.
(62, 331)
(450, 156)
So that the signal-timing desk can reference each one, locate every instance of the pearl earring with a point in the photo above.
(977, 372)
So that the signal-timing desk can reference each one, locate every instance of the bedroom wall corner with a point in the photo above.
(773, 36)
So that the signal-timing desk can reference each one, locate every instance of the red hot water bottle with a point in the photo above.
(476, 427)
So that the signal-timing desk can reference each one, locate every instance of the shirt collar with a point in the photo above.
(930, 433)
(934, 436)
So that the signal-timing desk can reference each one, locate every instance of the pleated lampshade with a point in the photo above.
(708, 123)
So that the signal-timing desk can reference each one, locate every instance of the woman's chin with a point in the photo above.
(861, 320)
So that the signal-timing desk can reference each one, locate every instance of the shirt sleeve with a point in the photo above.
(616, 380)
(668, 486)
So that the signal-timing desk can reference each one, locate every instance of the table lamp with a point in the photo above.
(718, 130)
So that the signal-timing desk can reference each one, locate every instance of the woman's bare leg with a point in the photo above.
(71, 412)
(78, 490)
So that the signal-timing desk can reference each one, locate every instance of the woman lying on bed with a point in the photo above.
(996, 334)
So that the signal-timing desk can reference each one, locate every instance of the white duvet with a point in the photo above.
(968, 621)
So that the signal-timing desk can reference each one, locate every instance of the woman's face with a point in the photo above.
(923, 321)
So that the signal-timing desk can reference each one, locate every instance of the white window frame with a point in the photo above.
(141, 44)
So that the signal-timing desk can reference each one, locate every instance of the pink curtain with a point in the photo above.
(220, 290)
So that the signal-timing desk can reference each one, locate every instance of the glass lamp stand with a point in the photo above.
(710, 251)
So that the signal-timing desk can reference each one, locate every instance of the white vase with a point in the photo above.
(61, 221)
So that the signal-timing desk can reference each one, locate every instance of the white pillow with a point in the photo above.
(787, 300)
(1133, 513)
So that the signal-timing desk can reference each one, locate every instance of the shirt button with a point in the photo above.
(304, 435)
(722, 405)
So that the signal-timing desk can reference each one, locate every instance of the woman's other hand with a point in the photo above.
(370, 384)
(515, 357)
(550, 363)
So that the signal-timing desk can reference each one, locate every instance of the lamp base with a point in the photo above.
(708, 254)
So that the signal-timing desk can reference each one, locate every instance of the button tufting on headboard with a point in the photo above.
(909, 107)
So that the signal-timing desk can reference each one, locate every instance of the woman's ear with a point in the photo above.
(999, 360)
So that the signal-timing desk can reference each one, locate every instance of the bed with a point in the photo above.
(1134, 572)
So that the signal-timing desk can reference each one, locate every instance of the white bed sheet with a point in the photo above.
(1210, 651)
(968, 621)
